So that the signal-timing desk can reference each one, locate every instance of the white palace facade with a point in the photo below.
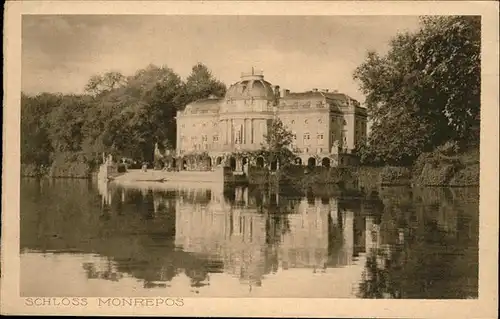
(324, 124)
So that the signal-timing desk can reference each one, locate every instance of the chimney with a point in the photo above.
(315, 90)
(276, 94)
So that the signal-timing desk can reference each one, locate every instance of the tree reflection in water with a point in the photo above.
(414, 243)
(429, 248)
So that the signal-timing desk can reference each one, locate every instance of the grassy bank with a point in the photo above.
(431, 169)
(65, 165)
(440, 168)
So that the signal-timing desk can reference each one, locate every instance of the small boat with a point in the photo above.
(160, 180)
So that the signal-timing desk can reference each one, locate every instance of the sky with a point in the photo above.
(61, 52)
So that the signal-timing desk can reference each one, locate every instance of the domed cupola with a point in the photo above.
(251, 85)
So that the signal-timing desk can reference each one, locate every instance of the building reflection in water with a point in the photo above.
(255, 233)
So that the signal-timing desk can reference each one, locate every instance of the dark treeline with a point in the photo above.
(424, 93)
(125, 115)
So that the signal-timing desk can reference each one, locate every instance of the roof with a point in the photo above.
(303, 96)
(315, 95)
(251, 88)
(203, 106)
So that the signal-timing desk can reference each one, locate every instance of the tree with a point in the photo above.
(425, 91)
(161, 96)
(279, 144)
(200, 84)
(133, 117)
(65, 123)
(36, 147)
(99, 84)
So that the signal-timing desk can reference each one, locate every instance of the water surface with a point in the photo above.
(83, 239)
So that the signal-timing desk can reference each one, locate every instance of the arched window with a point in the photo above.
(260, 162)
(232, 163)
(274, 165)
(311, 162)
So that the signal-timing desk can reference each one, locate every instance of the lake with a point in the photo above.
(79, 238)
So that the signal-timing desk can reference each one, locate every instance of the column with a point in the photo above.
(244, 133)
(247, 131)
(256, 130)
(232, 132)
(252, 131)
(245, 196)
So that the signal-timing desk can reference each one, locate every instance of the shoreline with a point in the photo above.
(363, 175)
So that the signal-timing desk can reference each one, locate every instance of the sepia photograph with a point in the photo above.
(168, 158)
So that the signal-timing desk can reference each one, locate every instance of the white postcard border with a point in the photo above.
(484, 307)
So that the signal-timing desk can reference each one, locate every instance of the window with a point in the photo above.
(204, 124)
(320, 121)
(204, 138)
(293, 122)
(306, 121)
(294, 136)
(320, 136)
(306, 136)
(183, 125)
(320, 150)
(307, 150)
(216, 138)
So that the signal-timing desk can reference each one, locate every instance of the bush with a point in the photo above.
(369, 177)
(69, 165)
(438, 175)
(443, 167)
(448, 148)
(468, 176)
(32, 170)
(391, 175)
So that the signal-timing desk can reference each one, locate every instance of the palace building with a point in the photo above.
(325, 124)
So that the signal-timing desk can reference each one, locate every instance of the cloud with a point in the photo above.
(60, 53)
